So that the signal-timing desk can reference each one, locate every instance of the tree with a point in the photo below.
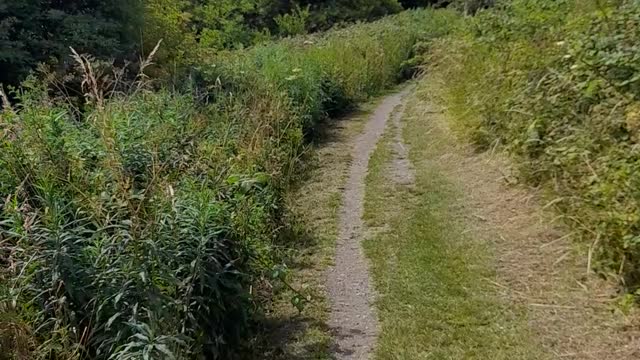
(33, 31)
(326, 13)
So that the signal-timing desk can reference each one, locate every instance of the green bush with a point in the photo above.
(294, 23)
(321, 74)
(33, 31)
(145, 224)
(557, 84)
(327, 13)
(130, 230)
(39, 31)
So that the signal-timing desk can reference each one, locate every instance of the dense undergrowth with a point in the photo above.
(557, 84)
(34, 31)
(146, 223)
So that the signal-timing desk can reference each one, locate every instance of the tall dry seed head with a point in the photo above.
(6, 104)
(7, 127)
(142, 78)
(95, 84)
(89, 81)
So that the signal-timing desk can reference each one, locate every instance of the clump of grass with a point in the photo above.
(330, 73)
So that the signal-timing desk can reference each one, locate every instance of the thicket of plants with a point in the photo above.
(141, 224)
(557, 83)
(35, 31)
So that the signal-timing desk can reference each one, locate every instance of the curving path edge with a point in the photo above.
(353, 320)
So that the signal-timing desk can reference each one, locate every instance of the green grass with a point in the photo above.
(554, 84)
(431, 275)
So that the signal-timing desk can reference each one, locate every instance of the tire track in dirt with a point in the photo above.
(352, 320)
(402, 171)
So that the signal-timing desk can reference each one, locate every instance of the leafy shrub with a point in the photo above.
(556, 83)
(321, 74)
(294, 23)
(126, 226)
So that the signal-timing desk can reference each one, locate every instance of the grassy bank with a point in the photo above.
(151, 223)
(431, 271)
(555, 83)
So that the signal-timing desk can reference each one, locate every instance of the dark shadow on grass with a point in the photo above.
(325, 130)
(324, 133)
(277, 333)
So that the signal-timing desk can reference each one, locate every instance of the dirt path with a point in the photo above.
(352, 319)
(465, 264)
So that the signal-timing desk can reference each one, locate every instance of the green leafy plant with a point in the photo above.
(556, 84)
(145, 223)
(294, 23)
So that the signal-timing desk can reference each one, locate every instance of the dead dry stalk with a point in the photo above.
(144, 63)
(89, 81)
(6, 104)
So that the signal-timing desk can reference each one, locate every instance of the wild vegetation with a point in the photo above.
(145, 223)
(143, 210)
(35, 31)
(555, 83)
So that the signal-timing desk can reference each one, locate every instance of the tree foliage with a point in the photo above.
(35, 31)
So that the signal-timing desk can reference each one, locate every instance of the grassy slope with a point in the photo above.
(429, 270)
(554, 83)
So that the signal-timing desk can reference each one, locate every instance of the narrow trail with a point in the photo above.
(352, 320)
(461, 263)
(467, 264)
